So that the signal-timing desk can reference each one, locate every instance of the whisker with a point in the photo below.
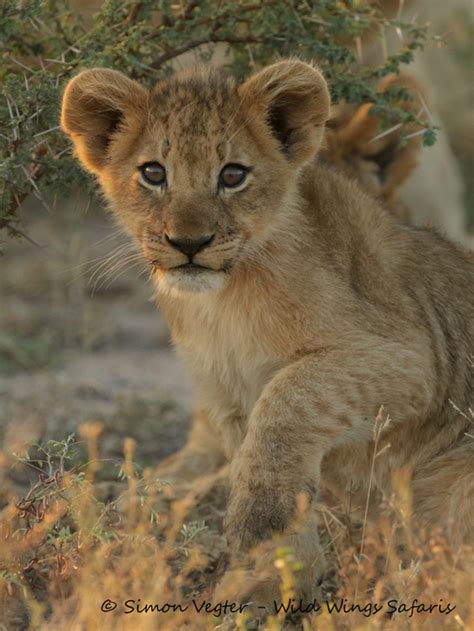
(100, 268)
(117, 263)
(115, 234)
(129, 267)
(94, 260)
(102, 278)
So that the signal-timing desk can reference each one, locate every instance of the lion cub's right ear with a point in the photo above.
(94, 105)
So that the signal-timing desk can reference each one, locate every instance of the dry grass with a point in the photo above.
(75, 541)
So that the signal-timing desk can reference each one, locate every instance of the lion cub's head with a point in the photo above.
(199, 169)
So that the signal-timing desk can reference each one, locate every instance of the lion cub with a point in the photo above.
(301, 305)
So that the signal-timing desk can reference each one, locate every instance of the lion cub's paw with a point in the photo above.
(273, 577)
(255, 517)
(261, 505)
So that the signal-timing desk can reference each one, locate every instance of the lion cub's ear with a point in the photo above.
(295, 100)
(94, 104)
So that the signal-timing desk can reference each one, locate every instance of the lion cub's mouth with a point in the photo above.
(191, 268)
(188, 268)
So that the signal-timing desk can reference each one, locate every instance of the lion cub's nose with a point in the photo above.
(190, 246)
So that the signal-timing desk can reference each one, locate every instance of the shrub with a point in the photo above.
(44, 43)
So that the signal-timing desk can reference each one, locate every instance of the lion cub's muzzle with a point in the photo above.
(191, 260)
(188, 263)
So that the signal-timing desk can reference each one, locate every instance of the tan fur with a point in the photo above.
(318, 306)
(434, 194)
(381, 161)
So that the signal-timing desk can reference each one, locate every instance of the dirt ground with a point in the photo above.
(69, 354)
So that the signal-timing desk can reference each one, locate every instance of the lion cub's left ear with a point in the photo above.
(294, 98)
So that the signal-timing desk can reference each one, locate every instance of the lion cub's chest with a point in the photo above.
(227, 352)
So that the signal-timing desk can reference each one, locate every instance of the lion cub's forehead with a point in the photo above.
(196, 113)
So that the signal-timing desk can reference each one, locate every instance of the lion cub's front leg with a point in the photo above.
(277, 462)
(308, 408)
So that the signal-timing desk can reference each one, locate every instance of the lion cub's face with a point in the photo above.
(199, 170)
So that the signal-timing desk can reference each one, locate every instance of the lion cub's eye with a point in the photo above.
(153, 173)
(232, 175)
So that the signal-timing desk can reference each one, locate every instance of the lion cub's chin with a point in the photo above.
(180, 281)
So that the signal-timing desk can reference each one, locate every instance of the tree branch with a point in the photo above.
(211, 39)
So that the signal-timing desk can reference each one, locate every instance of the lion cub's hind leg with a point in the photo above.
(201, 456)
(443, 493)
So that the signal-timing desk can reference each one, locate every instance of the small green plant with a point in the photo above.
(51, 457)
(190, 532)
